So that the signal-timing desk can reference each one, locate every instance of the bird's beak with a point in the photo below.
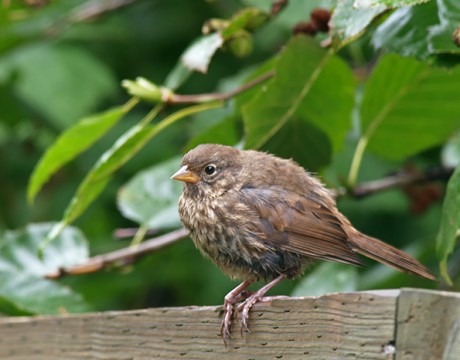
(185, 175)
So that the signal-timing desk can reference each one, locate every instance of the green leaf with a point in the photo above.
(198, 56)
(387, 3)
(410, 105)
(327, 278)
(51, 78)
(30, 295)
(242, 98)
(150, 198)
(335, 85)
(440, 38)
(177, 76)
(308, 81)
(349, 22)
(124, 149)
(22, 283)
(99, 176)
(405, 31)
(449, 229)
(70, 144)
(224, 132)
(291, 140)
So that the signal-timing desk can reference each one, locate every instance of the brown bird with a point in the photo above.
(260, 217)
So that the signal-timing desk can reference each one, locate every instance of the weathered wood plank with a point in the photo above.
(428, 325)
(336, 326)
(452, 349)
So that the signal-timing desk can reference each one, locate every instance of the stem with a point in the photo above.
(140, 234)
(151, 115)
(356, 162)
(178, 115)
(445, 273)
(130, 104)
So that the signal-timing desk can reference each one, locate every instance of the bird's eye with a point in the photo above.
(210, 169)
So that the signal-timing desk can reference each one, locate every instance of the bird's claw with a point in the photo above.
(250, 298)
(227, 321)
(244, 309)
(244, 325)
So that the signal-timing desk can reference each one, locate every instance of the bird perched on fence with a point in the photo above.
(260, 217)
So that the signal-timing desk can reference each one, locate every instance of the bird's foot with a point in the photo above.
(240, 293)
(244, 308)
(256, 297)
(227, 321)
(237, 294)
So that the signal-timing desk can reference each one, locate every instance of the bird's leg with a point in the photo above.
(231, 299)
(245, 306)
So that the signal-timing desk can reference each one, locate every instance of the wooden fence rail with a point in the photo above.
(408, 324)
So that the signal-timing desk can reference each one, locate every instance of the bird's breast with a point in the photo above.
(217, 230)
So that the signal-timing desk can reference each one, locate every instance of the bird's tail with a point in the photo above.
(388, 255)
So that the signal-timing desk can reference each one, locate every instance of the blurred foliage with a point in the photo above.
(383, 97)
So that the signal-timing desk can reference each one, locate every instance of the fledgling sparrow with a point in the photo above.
(260, 217)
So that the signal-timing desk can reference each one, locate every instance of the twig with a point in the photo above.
(87, 11)
(93, 9)
(399, 179)
(126, 255)
(130, 232)
(199, 98)
(277, 6)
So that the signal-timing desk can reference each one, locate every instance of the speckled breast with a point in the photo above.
(235, 249)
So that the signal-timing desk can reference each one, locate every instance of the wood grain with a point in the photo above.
(336, 326)
(428, 325)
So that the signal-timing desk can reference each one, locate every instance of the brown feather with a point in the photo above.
(308, 228)
(387, 254)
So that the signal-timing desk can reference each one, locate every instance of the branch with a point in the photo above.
(124, 256)
(144, 89)
(87, 11)
(131, 232)
(93, 9)
(400, 179)
(199, 98)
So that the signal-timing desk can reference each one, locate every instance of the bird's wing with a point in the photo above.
(297, 223)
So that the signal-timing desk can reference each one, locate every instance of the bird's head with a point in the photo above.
(210, 170)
